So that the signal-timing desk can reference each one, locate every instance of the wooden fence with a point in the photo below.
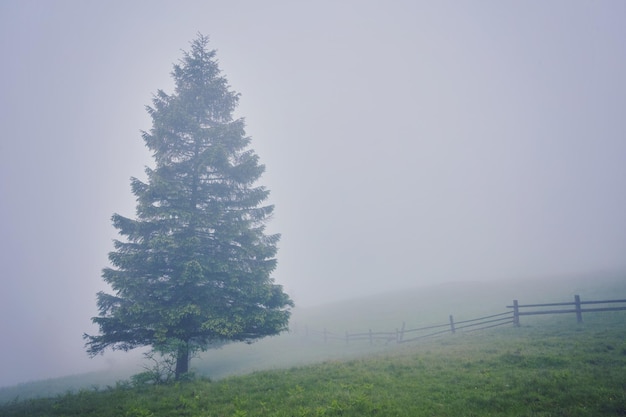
(578, 308)
(404, 335)
(452, 327)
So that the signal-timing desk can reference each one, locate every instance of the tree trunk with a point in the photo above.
(182, 361)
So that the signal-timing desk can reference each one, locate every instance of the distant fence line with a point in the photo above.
(403, 335)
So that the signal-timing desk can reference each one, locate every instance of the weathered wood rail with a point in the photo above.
(578, 308)
(404, 335)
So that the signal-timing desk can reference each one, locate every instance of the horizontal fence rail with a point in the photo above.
(504, 318)
(404, 335)
(480, 323)
(578, 308)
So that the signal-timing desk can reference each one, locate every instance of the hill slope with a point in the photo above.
(385, 312)
(553, 368)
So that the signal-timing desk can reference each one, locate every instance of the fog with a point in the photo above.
(407, 143)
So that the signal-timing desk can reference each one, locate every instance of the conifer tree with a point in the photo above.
(195, 266)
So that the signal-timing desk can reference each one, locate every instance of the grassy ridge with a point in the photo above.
(416, 307)
(548, 367)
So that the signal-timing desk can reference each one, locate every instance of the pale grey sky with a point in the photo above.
(406, 143)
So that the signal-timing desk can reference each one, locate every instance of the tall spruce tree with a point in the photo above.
(194, 267)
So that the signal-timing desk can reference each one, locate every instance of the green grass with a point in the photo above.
(550, 366)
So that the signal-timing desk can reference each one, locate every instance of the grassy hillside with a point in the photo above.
(415, 307)
(548, 367)
(304, 345)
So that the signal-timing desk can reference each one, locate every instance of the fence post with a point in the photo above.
(515, 313)
(452, 329)
(579, 313)
(399, 334)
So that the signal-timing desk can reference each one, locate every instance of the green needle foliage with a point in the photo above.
(194, 270)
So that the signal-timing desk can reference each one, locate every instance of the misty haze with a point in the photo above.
(425, 160)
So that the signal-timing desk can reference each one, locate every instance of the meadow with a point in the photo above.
(547, 367)
(550, 366)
